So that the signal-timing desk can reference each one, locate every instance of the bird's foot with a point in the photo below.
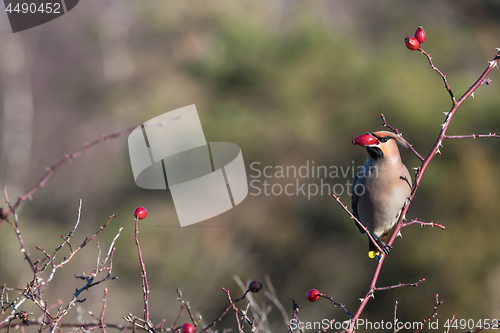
(386, 248)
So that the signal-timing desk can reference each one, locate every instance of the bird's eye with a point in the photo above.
(384, 139)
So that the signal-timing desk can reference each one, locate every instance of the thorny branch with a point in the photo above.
(15, 226)
(420, 172)
(395, 130)
(342, 306)
(185, 304)
(231, 305)
(431, 224)
(434, 314)
(358, 223)
(443, 76)
(234, 308)
(295, 316)
(473, 136)
(401, 285)
(145, 285)
(33, 290)
(449, 326)
(395, 321)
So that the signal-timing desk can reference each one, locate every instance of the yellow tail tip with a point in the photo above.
(373, 254)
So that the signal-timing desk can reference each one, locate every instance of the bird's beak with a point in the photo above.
(366, 140)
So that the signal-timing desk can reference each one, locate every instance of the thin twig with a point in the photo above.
(342, 306)
(472, 136)
(358, 223)
(179, 315)
(443, 76)
(72, 254)
(395, 321)
(450, 321)
(234, 308)
(86, 326)
(295, 316)
(15, 226)
(273, 296)
(35, 285)
(219, 318)
(101, 317)
(186, 305)
(145, 286)
(431, 224)
(401, 285)
(434, 314)
(395, 130)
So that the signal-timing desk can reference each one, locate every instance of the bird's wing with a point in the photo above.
(355, 199)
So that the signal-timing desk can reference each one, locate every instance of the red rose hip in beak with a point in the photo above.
(365, 140)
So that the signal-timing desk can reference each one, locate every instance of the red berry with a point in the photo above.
(313, 295)
(255, 286)
(420, 34)
(412, 43)
(188, 328)
(140, 213)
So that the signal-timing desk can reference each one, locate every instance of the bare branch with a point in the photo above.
(219, 318)
(295, 316)
(145, 286)
(395, 130)
(450, 321)
(15, 226)
(358, 223)
(401, 285)
(186, 305)
(443, 76)
(431, 224)
(472, 136)
(342, 306)
(101, 317)
(395, 329)
(434, 314)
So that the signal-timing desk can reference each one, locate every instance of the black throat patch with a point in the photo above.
(375, 152)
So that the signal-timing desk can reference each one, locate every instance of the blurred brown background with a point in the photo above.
(289, 82)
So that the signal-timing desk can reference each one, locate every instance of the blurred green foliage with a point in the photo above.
(289, 82)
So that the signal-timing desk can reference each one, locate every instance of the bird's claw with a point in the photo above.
(386, 248)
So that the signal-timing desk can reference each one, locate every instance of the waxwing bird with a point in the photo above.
(381, 186)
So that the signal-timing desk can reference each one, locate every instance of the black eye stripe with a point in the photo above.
(382, 139)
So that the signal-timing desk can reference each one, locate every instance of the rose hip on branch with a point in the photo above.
(140, 213)
(313, 295)
(420, 34)
(412, 43)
